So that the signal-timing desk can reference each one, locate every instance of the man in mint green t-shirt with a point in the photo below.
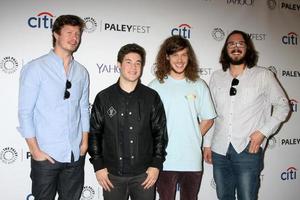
(190, 112)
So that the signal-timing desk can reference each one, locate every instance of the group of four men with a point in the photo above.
(139, 136)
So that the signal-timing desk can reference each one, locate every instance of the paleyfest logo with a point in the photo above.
(218, 34)
(9, 64)
(41, 20)
(90, 24)
(88, 193)
(8, 155)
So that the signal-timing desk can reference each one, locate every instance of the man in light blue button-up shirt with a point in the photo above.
(54, 114)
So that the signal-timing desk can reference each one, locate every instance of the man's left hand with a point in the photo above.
(84, 144)
(256, 140)
(152, 173)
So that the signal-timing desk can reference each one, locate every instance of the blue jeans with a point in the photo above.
(237, 173)
(131, 186)
(66, 179)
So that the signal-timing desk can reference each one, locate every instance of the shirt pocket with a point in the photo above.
(249, 95)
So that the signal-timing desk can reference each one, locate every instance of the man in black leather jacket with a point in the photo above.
(128, 134)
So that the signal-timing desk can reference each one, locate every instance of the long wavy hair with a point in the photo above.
(170, 46)
(251, 56)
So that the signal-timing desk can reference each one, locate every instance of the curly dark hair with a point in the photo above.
(251, 56)
(170, 46)
(132, 48)
(62, 20)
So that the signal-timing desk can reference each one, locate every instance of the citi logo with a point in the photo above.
(183, 30)
(290, 174)
(290, 39)
(42, 20)
(294, 105)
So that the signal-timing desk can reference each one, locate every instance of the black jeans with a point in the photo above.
(66, 179)
(129, 186)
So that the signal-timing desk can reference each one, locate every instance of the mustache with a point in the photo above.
(236, 51)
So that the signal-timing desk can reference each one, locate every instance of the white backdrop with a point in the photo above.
(274, 27)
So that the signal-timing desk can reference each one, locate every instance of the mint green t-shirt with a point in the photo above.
(186, 103)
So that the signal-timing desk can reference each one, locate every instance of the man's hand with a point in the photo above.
(103, 180)
(256, 140)
(151, 179)
(84, 144)
(36, 153)
(39, 155)
(207, 155)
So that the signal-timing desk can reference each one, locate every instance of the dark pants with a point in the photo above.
(66, 179)
(125, 187)
(188, 182)
(237, 173)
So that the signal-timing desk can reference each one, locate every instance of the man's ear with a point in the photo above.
(55, 35)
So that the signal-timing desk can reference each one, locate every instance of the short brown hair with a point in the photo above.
(132, 48)
(62, 20)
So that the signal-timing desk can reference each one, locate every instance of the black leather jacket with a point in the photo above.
(147, 132)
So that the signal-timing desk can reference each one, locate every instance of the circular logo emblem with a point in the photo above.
(9, 64)
(271, 4)
(8, 155)
(30, 197)
(90, 24)
(218, 34)
(272, 143)
(88, 193)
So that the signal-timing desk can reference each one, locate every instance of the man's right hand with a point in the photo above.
(39, 155)
(35, 151)
(103, 180)
(207, 155)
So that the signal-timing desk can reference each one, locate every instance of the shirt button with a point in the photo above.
(129, 113)
(131, 141)
(122, 114)
(132, 157)
(120, 158)
(130, 127)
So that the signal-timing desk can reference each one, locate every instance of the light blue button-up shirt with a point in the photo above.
(55, 122)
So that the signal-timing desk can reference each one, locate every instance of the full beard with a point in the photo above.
(237, 61)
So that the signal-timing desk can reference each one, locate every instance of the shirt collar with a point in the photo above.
(121, 91)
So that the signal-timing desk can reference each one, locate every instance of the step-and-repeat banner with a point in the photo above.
(274, 26)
